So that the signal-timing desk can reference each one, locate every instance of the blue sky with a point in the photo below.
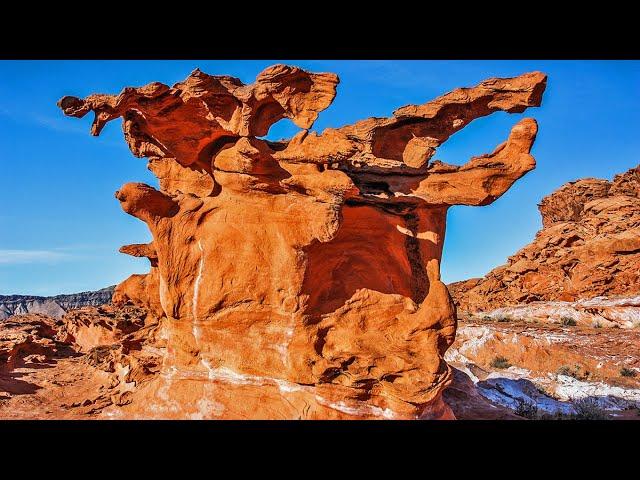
(61, 227)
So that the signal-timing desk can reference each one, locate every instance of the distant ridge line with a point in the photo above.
(54, 306)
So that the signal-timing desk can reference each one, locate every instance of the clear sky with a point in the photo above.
(61, 227)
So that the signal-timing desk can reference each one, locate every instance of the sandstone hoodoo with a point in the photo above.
(300, 278)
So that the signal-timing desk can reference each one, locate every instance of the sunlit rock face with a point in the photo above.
(301, 278)
(583, 264)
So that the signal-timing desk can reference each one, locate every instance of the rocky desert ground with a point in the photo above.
(554, 332)
(300, 279)
(88, 365)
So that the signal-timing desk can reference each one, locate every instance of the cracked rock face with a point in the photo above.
(300, 279)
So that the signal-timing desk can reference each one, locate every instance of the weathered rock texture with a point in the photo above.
(617, 312)
(300, 279)
(78, 366)
(545, 366)
(54, 307)
(589, 247)
(92, 363)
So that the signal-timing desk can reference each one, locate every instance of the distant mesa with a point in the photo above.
(55, 306)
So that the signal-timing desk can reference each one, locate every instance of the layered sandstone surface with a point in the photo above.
(77, 366)
(588, 248)
(300, 278)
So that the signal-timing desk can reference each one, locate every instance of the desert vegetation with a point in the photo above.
(577, 372)
(586, 408)
(500, 362)
(628, 372)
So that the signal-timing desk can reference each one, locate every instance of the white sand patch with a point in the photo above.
(609, 397)
(360, 409)
(472, 339)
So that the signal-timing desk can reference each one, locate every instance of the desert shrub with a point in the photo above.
(575, 372)
(628, 372)
(588, 409)
(526, 409)
(500, 362)
(568, 322)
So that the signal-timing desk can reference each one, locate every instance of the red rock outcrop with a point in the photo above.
(46, 374)
(300, 278)
(589, 246)
(92, 327)
(77, 366)
(27, 339)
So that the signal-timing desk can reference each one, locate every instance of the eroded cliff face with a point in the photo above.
(589, 247)
(300, 279)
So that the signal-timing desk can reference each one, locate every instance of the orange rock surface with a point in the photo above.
(589, 246)
(95, 362)
(300, 278)
(550, 367)
(77, 366)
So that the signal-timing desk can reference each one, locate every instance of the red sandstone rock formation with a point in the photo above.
(300, 279)
(589, 246)
(30, 339)
(76, 367)
(46, 372)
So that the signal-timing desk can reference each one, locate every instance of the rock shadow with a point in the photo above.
(369, 251)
